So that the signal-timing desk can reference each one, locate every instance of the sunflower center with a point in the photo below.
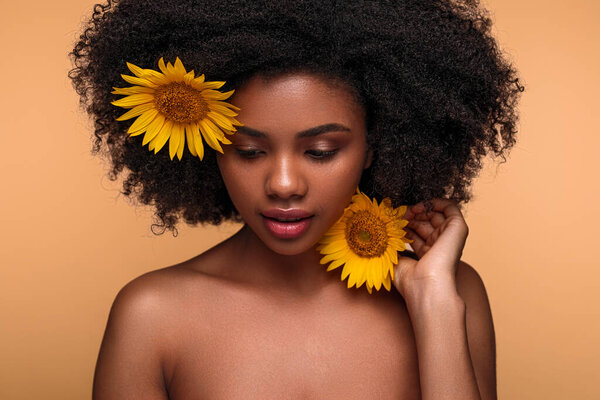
(366, 234)
(180, 102)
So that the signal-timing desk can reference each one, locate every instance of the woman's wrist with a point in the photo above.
(426, 298)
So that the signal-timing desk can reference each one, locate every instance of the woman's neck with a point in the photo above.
(301, 273)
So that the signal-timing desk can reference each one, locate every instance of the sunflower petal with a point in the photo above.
(153, 129)
(179, 68)
(345, 271)
(209, 135)
(143, 121)
(181, 144)
(214, 106)
(210, 94)
(138, 81)
(162, 137)
(133, 100)
(189, 136)
(133, 90)
(335, 264)
(335, 246)
(187, 78)
(198, 141)
(135, 111)
(174, 140)
(387, 284)
(213, 84)
(162, 66)
(137, 71)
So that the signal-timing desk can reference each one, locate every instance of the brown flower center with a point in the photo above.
(366, 234)
(180, 102)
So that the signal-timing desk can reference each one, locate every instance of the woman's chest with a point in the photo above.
(265, 353)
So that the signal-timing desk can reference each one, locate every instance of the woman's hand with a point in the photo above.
(439, 238)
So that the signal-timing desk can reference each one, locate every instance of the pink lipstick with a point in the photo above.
(287, 224)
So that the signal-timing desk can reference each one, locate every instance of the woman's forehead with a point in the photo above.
(300, 100)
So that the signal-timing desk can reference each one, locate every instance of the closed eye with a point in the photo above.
(248, 153)
(318, 155)
(321, 154)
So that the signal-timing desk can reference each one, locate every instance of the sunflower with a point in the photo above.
(366, 240)
(173, 105)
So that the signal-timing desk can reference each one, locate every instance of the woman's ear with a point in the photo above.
(369, 159)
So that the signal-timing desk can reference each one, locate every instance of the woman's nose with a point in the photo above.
(285, 180)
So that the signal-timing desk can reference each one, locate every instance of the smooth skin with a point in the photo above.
(257, 317)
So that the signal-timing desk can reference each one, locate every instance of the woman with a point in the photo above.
(399, 98)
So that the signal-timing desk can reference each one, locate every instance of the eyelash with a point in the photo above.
(317, 155)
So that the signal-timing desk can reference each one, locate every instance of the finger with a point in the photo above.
(446, 206)
(423, 228)
(418, 244)
(435, 218)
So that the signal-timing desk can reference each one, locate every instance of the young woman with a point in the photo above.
(401, 99)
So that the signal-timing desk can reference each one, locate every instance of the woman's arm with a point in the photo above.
(129, 364)
(448, 307)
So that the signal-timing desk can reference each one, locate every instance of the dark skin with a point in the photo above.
(257, 317)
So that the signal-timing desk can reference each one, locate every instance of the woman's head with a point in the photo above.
(437, 95)
(302, 147)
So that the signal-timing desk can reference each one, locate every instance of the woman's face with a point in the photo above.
(300, 153)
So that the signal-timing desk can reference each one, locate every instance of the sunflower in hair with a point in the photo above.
(366, 240)
(174, 106)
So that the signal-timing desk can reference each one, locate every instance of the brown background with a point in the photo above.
(69, 241)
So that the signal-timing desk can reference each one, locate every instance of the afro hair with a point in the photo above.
(439, 95)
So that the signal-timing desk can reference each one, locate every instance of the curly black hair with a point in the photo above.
(439, 94)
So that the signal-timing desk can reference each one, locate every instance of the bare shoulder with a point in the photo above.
(470, 285)
(480, 328)
(139, 335)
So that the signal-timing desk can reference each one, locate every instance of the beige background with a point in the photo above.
(69, 241)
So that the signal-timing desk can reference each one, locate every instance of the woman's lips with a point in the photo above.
(287, 230)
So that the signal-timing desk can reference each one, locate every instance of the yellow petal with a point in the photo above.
(197, 82)
(179, 68)
(333, 256)
(335, 264)
(162, 137)
(133, 90)
(173, 73)
(198, 141)
(348, 267)
(214, 95)
(181, 144)
(370, 274)
(143, 121)
(189, 136)
(138, 81)
(362, 275)
(377, 269)
(187, 78)
(155, 77)
(133, 100)
(220, 120)
(209, 135)
(135, 111)
(213, 84)
(213, 105)
(135, 69)
(392, 255)
(153, 129)
(335, 246)
(387, 284)
(162, 66)
(174, 140)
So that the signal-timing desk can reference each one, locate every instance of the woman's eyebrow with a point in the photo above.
(310, 132)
